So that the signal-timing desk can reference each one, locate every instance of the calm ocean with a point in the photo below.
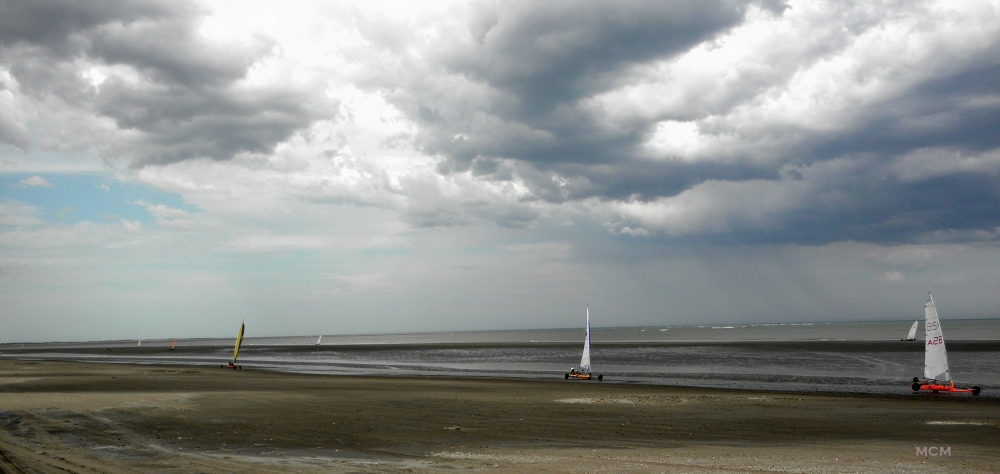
(862, 357)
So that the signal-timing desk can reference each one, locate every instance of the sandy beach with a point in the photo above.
(76, 417)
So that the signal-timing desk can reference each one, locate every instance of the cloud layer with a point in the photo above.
(729, 121)
(137, 81)
(732, 121)
(680, 160)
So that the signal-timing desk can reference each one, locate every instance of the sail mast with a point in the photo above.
(585, 360)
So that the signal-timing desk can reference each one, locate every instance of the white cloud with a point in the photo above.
(168, 217)
(713, 207)
(36, 182)
(177, 224)
(17, 214)
(80, 235)
(160, 210)
(675, 139)
(132, 226)
(272, 243)
(892, 277)
(635, 232)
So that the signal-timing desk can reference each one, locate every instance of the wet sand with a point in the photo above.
(75, 417)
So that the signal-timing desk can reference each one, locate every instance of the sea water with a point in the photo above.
(861, 357)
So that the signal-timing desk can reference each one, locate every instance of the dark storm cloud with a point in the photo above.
(171, 52)
(531, 64)
(515, 105)
(184, 98)
(864, 198)
(536, 60)
(866, 202)
(957, 114)
(546, 53)
(183, 123)
(55, 23)
(958, 110)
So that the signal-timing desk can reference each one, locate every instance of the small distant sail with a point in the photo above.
(935, 356)
(318, 340)
(585, 360)
(912, 335)
(172, 344)
(239, 340)
(139, 344)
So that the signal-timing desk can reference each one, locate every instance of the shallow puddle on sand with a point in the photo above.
(962, 422)
(317, 457)
(668, 399)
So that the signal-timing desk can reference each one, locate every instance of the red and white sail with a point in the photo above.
(935, 356)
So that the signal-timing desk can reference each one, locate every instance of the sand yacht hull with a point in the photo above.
(583, 376)
(935, 387)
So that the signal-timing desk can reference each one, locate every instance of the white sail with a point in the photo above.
(935, 356)
(318, 340)
(913, 332)
(585, 360)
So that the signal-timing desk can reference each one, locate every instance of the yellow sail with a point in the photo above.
(239, 340)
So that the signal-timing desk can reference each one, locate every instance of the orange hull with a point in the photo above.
(581, 376)
(933, 387)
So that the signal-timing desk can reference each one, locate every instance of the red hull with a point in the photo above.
(933, 387)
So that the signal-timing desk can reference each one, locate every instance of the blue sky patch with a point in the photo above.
(73, 198)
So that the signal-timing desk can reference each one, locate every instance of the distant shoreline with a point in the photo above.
(891, 330)
(152, 346)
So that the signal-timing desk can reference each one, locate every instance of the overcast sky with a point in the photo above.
(170, 168)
